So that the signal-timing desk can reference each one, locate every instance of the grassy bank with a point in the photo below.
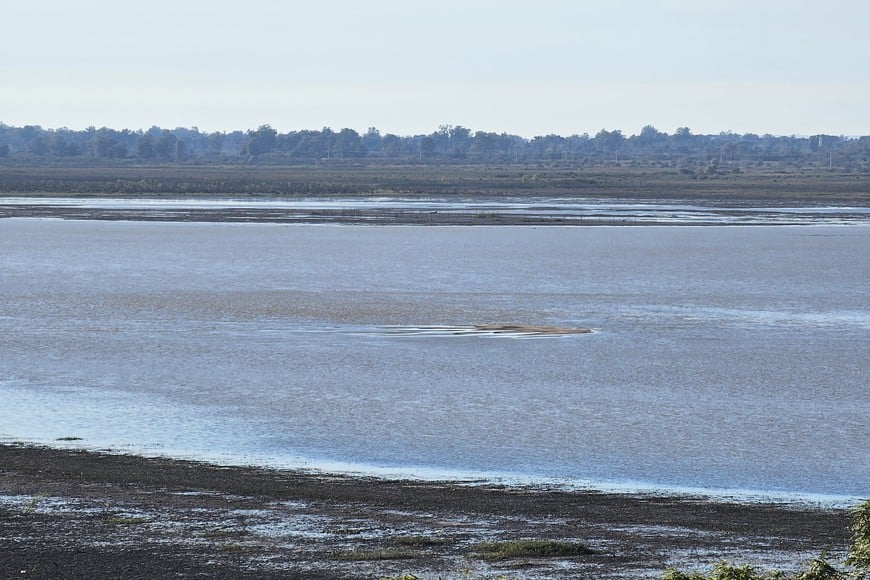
(615, 182)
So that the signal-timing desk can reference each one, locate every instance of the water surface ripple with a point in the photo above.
(721, 357)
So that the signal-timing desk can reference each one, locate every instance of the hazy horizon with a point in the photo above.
(556, 66)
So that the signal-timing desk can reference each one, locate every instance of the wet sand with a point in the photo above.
(78, 514)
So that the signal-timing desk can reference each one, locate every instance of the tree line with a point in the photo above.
(711, 154)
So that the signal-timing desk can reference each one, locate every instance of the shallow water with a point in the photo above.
(721, 357)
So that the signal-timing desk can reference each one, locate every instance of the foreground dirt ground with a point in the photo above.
(77, 514)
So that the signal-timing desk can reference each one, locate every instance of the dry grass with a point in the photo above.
(793, 185)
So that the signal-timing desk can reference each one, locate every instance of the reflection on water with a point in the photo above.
(721, 358)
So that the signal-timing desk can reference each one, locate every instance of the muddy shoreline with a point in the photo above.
(289, 216)
(75, 514)
(494, 216)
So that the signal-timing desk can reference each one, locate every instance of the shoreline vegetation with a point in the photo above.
(76, 514)
(757, 186)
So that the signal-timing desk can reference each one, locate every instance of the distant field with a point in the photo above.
(646, 183)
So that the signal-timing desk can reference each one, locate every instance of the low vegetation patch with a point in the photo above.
(422, 541)
(493, 551)
(33, 503)
(819, 570)
(375, 555)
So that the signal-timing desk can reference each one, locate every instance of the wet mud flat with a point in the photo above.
(372, 216)
(78, 514)
(407, 215)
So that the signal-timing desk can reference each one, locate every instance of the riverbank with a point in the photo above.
(749, 186)
(77, 514)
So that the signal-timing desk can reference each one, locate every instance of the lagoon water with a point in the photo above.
(723, 357)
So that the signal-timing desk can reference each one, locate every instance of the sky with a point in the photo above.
(530, 67)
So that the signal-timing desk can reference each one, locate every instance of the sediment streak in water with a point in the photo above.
(503, 330)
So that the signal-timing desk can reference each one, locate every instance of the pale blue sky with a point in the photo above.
(530, 68)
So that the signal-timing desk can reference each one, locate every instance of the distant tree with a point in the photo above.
(460, 141)
(390, 144)
(27, 134)
(550, 147)
(166, 147)
(215, 142)
(4, 150)
(447, 142)
(234, 142)
(484, 145)
(260, 141)
(107, 147)
(348, 144)
(650, 137)
(441, 137)
(372, 141)
(180, 150)
(610, 141)
(682, 140)
(60, 146)
(298, 144)
(145, 147)
(729, 150)
(576, 146)
(191, 140)
(427, 147)
(38, 145)
(327, 141)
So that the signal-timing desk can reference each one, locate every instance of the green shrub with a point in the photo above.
(421, 541)
(859, 550)
(723, 571)
(819, 569)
